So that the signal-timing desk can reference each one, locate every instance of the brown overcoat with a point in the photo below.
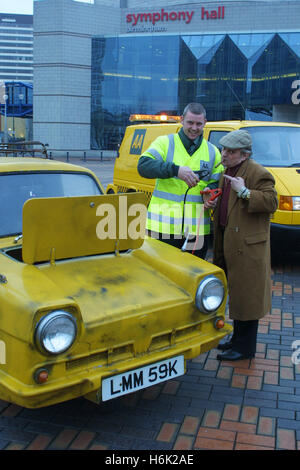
(244, 253)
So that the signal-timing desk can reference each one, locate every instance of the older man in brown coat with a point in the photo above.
(242, 241)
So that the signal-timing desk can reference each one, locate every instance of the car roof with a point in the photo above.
(15, 164)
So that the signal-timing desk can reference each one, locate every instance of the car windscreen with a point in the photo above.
(276, 145)
(16, 188)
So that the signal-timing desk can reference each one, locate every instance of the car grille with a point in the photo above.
(106, 357)
(123, 353)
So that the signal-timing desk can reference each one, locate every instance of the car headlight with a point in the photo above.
(210, 294)
(289, 203)
(296, 203)
(56, 332)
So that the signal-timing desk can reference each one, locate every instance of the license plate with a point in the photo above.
(136, 379)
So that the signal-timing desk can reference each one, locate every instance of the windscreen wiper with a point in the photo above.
(18, 237)
(295, 164)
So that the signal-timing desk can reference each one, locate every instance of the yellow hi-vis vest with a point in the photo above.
(173, 209)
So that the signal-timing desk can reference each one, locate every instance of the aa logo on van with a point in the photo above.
(137, 141)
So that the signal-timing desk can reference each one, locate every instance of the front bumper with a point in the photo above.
(87, 383)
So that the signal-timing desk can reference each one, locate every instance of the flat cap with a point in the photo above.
(239, 139)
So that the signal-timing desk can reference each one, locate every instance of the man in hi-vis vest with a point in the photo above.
(183, 164)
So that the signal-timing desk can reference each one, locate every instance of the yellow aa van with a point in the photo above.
(275, 145)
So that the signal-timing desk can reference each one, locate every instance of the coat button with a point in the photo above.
(240, 252)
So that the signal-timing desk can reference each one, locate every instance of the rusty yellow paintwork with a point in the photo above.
(132, 308)
(127, 178)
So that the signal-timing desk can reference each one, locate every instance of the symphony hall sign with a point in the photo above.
(162, 17)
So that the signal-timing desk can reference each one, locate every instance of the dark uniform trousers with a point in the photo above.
(244, 336)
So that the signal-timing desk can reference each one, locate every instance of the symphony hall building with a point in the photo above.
(97, 62)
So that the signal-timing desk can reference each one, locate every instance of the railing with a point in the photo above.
(38, 149)
(24, 149)
(85, 155)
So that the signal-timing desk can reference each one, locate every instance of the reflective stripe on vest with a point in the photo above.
(178, 220)
(170, 153)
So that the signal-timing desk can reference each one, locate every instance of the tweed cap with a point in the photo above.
(239, 139)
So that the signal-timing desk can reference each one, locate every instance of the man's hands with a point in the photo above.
(237, 183)
(192, 179)
(208, 204)
(188, 176)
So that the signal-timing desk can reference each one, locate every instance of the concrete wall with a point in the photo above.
(62, 69)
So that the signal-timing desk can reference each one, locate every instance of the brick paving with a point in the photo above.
(244, 405)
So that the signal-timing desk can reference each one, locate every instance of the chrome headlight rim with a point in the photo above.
(43, 325)
(199, 301)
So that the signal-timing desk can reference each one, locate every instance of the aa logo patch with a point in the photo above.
(137, 141)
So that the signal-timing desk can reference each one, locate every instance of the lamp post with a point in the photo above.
(5, 97)
(21, 96)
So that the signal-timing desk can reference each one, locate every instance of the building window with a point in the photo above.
(233, 75)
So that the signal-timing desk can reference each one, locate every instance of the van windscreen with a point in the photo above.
(275, 145)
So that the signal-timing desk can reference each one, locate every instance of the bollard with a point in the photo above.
(84, 156)
(101, 155)
(67, 156)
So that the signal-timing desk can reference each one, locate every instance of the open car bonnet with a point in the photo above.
(111, 287)
(71, 227)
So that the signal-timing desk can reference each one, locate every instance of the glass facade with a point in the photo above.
(19, 101)
(233, 76)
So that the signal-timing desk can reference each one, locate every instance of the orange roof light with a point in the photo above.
(154, 118)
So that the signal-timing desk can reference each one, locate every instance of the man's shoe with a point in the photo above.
(232, 355)
(224, 346)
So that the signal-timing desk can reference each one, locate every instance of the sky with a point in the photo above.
(22, 7)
